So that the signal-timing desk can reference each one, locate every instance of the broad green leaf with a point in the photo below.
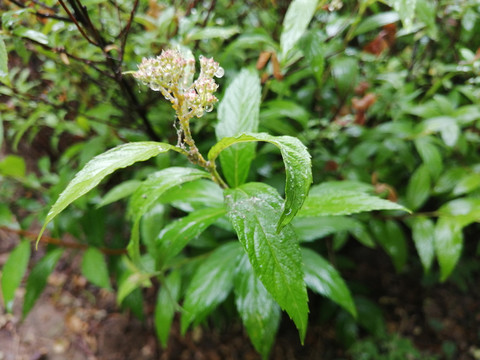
(31, 34)
(211, 284)
(176, 235)
(467, 184)
(38, 279)
(344, 73)
(298, 168)
(13, 271)
(312, 47)
(167, 303)
(449, 179)
(330, 198)
(297, 18)
(254, 210)
(281, 110)
(194, 195)
(325, 280)
(464, 210)
(3, 68)
(259, 312)
(392, 239)
(212, 32)
(13, 165)
(238, 113)
(430, 155)
(418, 188)
(446, 125)
(148, 194)
(94, 268)
(120, 191)
(406, 10)
(376, 21)
(423, 230)
(130, 281)
(153, 221)
(448, 245)
(101, 166)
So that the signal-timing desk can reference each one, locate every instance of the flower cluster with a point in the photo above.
(172, 74)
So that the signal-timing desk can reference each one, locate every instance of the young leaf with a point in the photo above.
(148, 194)
(448, 245)
(13, 271)
(175, 236)
(324, 279)
(167, 299)
(253, 210)
(259, 311)
(423, 230)
(331, 198)
(298, 168)
(238, 113)
(38, 279)
(94, 268)
(101, 166)
(297, 18)
(211, 284)
(120, 191)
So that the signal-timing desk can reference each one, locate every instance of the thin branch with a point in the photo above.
(126, 30)
(61, 243)
(76, 23)
(42, 14)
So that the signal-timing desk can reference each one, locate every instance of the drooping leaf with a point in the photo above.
(13, 271)
(324, 279)
(38, 279)
(331, 198)
(313, 49)
(120, 191)
(296, 21)
(148, 194)
(167, 299)
(238, 113)
(418, 188)
(392, 239)
(259, 312)
(101, 166)
(254, 210)
(430, 155)
(423, 234)
(448, 245)
(175, 236)
(94, 268)
(298, 168)
(211, 284)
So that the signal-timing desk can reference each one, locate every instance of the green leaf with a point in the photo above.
(298, 167)
(418, 188)
(254, 210)
(94, 268)
(13, 165)
(313, 49)
(467, 184)
(297, 18)
(406, 10)
(448, 245)
(211, 284)
(446, 125)
(464, 210)
(101, 166)
(331, 198)
(238, 113)
(376, 21)
(31, 34)
(13, 271)
(212, 32)
(392, 239)
(3, 66)
(430, 155)
(344, 73)
(38, 279)
(259, 312)
(167, 303)
(325, 280)
(148, 194)
(176, 235)
(423, 236)
(120, 191)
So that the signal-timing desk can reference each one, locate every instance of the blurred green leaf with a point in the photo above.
(418, 188)
(13, 271)
(3, 68)
(406, 10)
(423, 233)
(212, 282)
(467, 184)
(31, 34)
(313, 49)
(448, 245)
(120, 191)
(38, 279)
(430, 155)
(94, 268)
(212, 32)
(13, 165)
(254, 210)
(345, 73)
(392, 239)
(376, 21)
(168, 296)
(325, 280)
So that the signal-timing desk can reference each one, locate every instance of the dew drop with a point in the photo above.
(154, 87)
(220, 72)
(208, 108)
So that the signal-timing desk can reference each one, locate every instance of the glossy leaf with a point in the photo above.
(167, 299)
(101, 166)
(448, 245)
(406, 10)
(467, 184)
(254, 210)
(148, 194)
(430, 155)
(345, 73)
(94, 268)
(211, 284)
(325, 280)
(312, 47)
(120, 191)
(175, 236)
(463, 210)
(298, 168)
(38, 279)
(423, 233)
(259, 312)
(418, 188)
(297, 18)
(331, 198)
(3, 64)
(13, 271)
(238, 113)
(392, 239)
(212, 32)
(31, 34)
(376, 21)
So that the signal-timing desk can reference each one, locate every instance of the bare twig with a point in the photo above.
(124, 33)
(73, 18)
